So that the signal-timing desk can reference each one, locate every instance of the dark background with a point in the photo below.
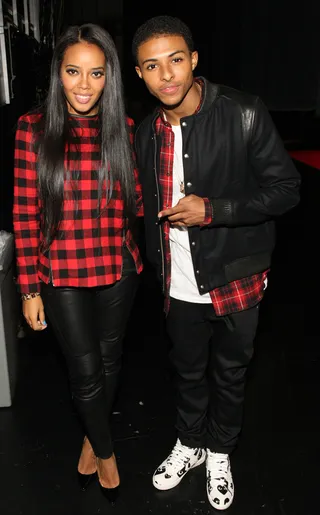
(270, 48)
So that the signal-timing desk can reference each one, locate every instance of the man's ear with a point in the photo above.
(194, 59)
(138, 71)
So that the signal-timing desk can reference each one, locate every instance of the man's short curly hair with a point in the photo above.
(161, 26)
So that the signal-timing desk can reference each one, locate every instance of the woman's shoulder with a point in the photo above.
(31, 122)
(31, 117)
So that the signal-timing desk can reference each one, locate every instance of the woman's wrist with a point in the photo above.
(28, 296)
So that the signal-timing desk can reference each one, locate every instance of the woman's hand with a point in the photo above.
(33, 312)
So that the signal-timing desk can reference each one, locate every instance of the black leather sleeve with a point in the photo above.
(278, 181)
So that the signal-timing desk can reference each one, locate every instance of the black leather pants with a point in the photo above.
(89, 324)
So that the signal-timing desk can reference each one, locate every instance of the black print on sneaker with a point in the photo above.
(181, 472)
(160, 470)
(200, 453)
(223, 489)
(184, 468)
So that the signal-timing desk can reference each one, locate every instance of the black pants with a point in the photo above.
(210, 355)
(89, 324)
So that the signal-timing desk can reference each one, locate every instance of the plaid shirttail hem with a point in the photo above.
(239, 295)
(236, 296)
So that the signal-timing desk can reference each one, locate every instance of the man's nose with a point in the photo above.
(167, 73)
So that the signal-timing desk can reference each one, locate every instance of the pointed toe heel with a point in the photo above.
(85, 480)
(111, 494)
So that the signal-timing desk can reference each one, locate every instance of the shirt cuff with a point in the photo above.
(208, 214)
(29, 287)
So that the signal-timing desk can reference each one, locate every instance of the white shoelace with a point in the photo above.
(178, 456)
(217, 464)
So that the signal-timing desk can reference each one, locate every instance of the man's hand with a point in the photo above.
(189, 211)
(33, 312)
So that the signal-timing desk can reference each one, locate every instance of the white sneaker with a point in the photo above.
(220, 487)
(176, 465)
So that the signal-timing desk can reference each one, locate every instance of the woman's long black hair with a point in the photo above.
(116, 152)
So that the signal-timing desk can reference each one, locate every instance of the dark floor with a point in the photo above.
(277, 464)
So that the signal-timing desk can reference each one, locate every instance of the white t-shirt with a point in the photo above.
(183, 283)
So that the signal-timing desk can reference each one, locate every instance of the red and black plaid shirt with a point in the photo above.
(230, 298)
(87, 250)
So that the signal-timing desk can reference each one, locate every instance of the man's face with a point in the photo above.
(166, 65)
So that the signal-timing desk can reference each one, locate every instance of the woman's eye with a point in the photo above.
(71, 71)
(97, 74)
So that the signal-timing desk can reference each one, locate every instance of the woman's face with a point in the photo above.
(82, 75)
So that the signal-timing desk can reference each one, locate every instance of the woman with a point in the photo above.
(76, 196)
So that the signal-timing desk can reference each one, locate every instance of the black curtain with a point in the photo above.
(269, 48)
(283, 67)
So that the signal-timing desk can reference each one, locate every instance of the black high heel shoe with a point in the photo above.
(85, 480)
(111, 494)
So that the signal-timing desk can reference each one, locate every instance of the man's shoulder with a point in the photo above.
(237, 97)
(230, 95)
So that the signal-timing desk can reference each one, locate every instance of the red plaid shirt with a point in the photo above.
(88, 249)
(230, 298)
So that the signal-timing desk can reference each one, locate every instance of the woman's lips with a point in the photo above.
(83, 99)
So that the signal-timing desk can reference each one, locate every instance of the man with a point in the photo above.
(215, 174)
